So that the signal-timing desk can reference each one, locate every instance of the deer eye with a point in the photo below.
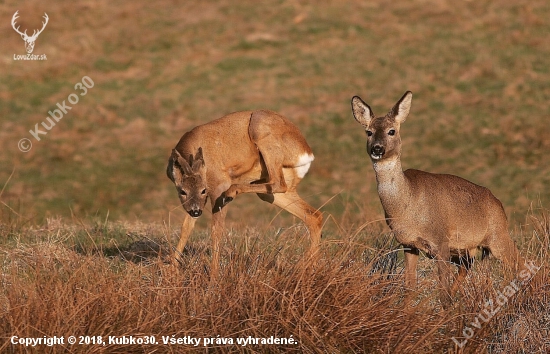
(391, 132)
(203, 191)
(369, 133)
(182, 192)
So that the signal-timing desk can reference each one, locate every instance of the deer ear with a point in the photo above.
(361, 111)
(170, 169)
(180, 161)
(198, 161)
(402, 108)
(174, 171)
(198, 155)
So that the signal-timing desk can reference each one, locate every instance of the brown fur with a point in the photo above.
(439, 214)
(258, 152)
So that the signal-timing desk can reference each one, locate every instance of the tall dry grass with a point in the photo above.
(115, 280)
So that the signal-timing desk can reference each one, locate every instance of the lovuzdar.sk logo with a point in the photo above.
(29, 40)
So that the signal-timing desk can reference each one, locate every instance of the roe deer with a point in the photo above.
(258, 152)
(439, 214)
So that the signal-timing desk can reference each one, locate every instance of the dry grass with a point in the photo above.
(114, 280)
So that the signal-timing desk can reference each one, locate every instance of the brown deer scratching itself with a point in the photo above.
(258, 152)
(439, 214)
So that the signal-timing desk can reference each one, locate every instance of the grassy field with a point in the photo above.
(480, 76)
(115, 280)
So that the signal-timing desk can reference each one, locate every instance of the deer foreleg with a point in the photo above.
(186, 228)
(411, 259)
(218, 227)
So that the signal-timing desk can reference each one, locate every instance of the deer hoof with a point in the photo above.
(226, 200)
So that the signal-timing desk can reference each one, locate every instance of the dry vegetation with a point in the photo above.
(480, 75)
(117, 281)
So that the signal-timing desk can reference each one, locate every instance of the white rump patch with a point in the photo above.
(302, 166)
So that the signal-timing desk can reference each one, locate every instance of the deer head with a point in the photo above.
(383, 139)
(189, 176)
(29, 41)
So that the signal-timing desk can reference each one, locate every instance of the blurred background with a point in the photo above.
(479, 72)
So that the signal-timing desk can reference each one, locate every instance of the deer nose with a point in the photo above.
(377, 150)
(195, 213)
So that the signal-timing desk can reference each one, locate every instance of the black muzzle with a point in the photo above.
(195, 213)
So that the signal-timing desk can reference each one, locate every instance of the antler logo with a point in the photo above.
(29, 40)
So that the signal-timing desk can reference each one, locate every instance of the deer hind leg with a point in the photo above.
(186, 227)
(503, 248)
(272, 179)
(464, 265)
(291, 202)
(281, 146)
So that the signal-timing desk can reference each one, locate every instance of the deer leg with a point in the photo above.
(504, 249)
(411, 259)
(275, 183)
(291, 202)
(218, 228)
(273, 176)
(186, 227)
(465, 263)
(443, 256)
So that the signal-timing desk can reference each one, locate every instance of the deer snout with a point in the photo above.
(377, 151)
(195, 213)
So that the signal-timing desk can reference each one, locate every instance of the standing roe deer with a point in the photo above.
(258, 152)
(438, 214)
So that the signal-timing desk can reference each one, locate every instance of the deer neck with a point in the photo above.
(393, 186)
